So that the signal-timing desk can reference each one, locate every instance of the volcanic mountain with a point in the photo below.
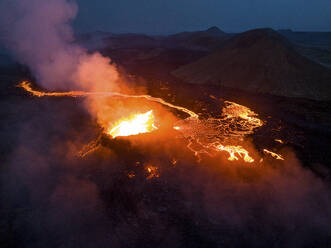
(209, 39)
(260, 61)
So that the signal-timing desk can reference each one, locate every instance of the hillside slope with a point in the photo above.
(260, 61)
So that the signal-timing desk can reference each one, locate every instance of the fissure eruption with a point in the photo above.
(205, 136)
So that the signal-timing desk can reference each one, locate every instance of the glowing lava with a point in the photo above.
(152, 172)
(235, 114)
(234, 110)
(135, 124)
(273, 154)
(212, 135)
(233, 150)
(27, 87)
(205, 136)
(279, 141)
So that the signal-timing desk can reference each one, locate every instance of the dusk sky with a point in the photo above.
(159, 16)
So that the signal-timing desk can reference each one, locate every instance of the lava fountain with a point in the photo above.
(132, 125)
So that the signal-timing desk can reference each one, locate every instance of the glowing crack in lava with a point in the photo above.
(208, 136)
(279, 141)
(273, 154)
(234, 110)
(205, 136)
(234, 151)
(135, 124)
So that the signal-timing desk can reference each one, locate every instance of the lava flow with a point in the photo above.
(209, 135)
(205, 136)
(273, 154)
(27, 87)
(233, 150)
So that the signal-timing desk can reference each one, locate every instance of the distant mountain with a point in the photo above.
(102, 40)
(319, 55)
(213, 31)
(313, 39)
(260, 61)
(132, 41)
(314, 45)
(205, 40)
(209, 39)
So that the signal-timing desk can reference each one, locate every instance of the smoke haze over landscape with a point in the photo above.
(53, 197)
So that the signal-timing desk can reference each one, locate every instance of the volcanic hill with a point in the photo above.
(208, 40)
(260, 61)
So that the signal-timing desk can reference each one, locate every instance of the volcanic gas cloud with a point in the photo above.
(40, 36)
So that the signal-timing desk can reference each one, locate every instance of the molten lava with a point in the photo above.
(152, 172)
(205, 136)
(233, 150)
(234, 110)
(279, 141)
(273, 154)
(211, 135)
(135, 124)
(27, 87)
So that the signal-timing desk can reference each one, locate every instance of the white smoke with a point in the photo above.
(39, 35)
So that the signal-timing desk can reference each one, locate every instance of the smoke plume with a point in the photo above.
(39, 35)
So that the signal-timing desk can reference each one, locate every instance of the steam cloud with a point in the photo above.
(39, 35)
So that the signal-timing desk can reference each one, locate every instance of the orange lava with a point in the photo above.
(210, 135)
(273, 154)
(233, 150)
(131, 174)
(152, 171)
(132, 125)
(279, 141)
(249, 118)
(27, 87)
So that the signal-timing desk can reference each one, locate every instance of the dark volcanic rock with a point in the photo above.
(261, 61)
